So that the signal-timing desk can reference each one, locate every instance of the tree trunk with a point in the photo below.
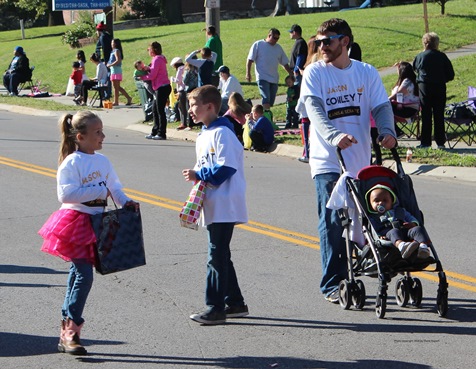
(283, 6)
(172, 11)
(54, 18)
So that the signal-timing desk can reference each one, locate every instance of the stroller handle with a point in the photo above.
(395, 156)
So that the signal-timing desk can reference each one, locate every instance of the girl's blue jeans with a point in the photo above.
(79, 284)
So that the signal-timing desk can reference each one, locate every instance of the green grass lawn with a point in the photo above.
(386, 35)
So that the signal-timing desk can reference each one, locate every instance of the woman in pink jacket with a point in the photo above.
(161, 86)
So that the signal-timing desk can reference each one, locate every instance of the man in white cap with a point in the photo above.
(228, 84)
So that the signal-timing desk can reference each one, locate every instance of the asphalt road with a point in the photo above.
(139, 318)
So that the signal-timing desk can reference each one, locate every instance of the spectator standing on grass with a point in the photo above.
(115, 66)
(179, 67)
(340, 118)
(267, 55)
(312, 56)
(205, 65)
(103, 51)
(215, 45)
(298, 52)
(434, 70)
(292, 96)
(77, 77)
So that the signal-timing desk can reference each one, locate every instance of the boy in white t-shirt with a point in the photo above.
(220, 164)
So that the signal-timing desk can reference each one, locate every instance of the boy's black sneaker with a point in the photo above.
(210, 317)
(236, 311)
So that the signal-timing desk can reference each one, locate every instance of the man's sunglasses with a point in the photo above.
(327, 41)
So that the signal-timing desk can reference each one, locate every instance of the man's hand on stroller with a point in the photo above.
(346, 141)
(409, 225)
(387, 141)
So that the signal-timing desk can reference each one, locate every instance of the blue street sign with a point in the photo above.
(81, 5)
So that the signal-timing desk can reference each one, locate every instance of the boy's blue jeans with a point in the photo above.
(80, 281)
(333, 248)
(222, 284)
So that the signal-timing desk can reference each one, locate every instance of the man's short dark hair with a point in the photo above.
(336, 25)
(274, 32)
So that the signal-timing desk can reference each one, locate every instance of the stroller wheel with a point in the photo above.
(358, 296)
(344, 294)
(416, 293)
(402, 292)
(381, 307)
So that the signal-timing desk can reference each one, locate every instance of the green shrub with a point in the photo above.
(77, 32)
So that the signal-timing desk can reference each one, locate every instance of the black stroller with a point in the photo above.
(379, 258)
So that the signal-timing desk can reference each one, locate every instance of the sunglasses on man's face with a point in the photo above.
(327, 41)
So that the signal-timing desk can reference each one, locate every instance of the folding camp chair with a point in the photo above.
(460, 121)
(28, 83)
(410, 127)
(98, 94)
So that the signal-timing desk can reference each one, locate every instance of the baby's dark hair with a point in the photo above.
(76, 64)
(290, 77)
(70, 125)
(207, 94)
(137, 64)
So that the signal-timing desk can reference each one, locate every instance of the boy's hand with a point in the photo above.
(189, 175)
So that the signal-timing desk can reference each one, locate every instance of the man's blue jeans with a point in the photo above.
(267, 91)
(80, 281)
(333, 248)
(222, 284)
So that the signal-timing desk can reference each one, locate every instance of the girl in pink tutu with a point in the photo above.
(85, 180)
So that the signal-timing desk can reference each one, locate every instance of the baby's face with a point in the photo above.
(289, 82)
(381, 197)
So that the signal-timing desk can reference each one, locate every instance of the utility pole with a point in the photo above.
(212, 14)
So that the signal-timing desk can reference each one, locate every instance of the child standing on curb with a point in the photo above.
(220, 164)
(292, 97)
(85, 180)
(77, 77)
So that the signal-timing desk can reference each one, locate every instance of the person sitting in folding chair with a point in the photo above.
(404, 98)
(18, 71)
(99, 80)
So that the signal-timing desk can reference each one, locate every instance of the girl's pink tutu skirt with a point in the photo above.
(69, 235)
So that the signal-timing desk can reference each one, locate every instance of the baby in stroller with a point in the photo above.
(396, 224)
